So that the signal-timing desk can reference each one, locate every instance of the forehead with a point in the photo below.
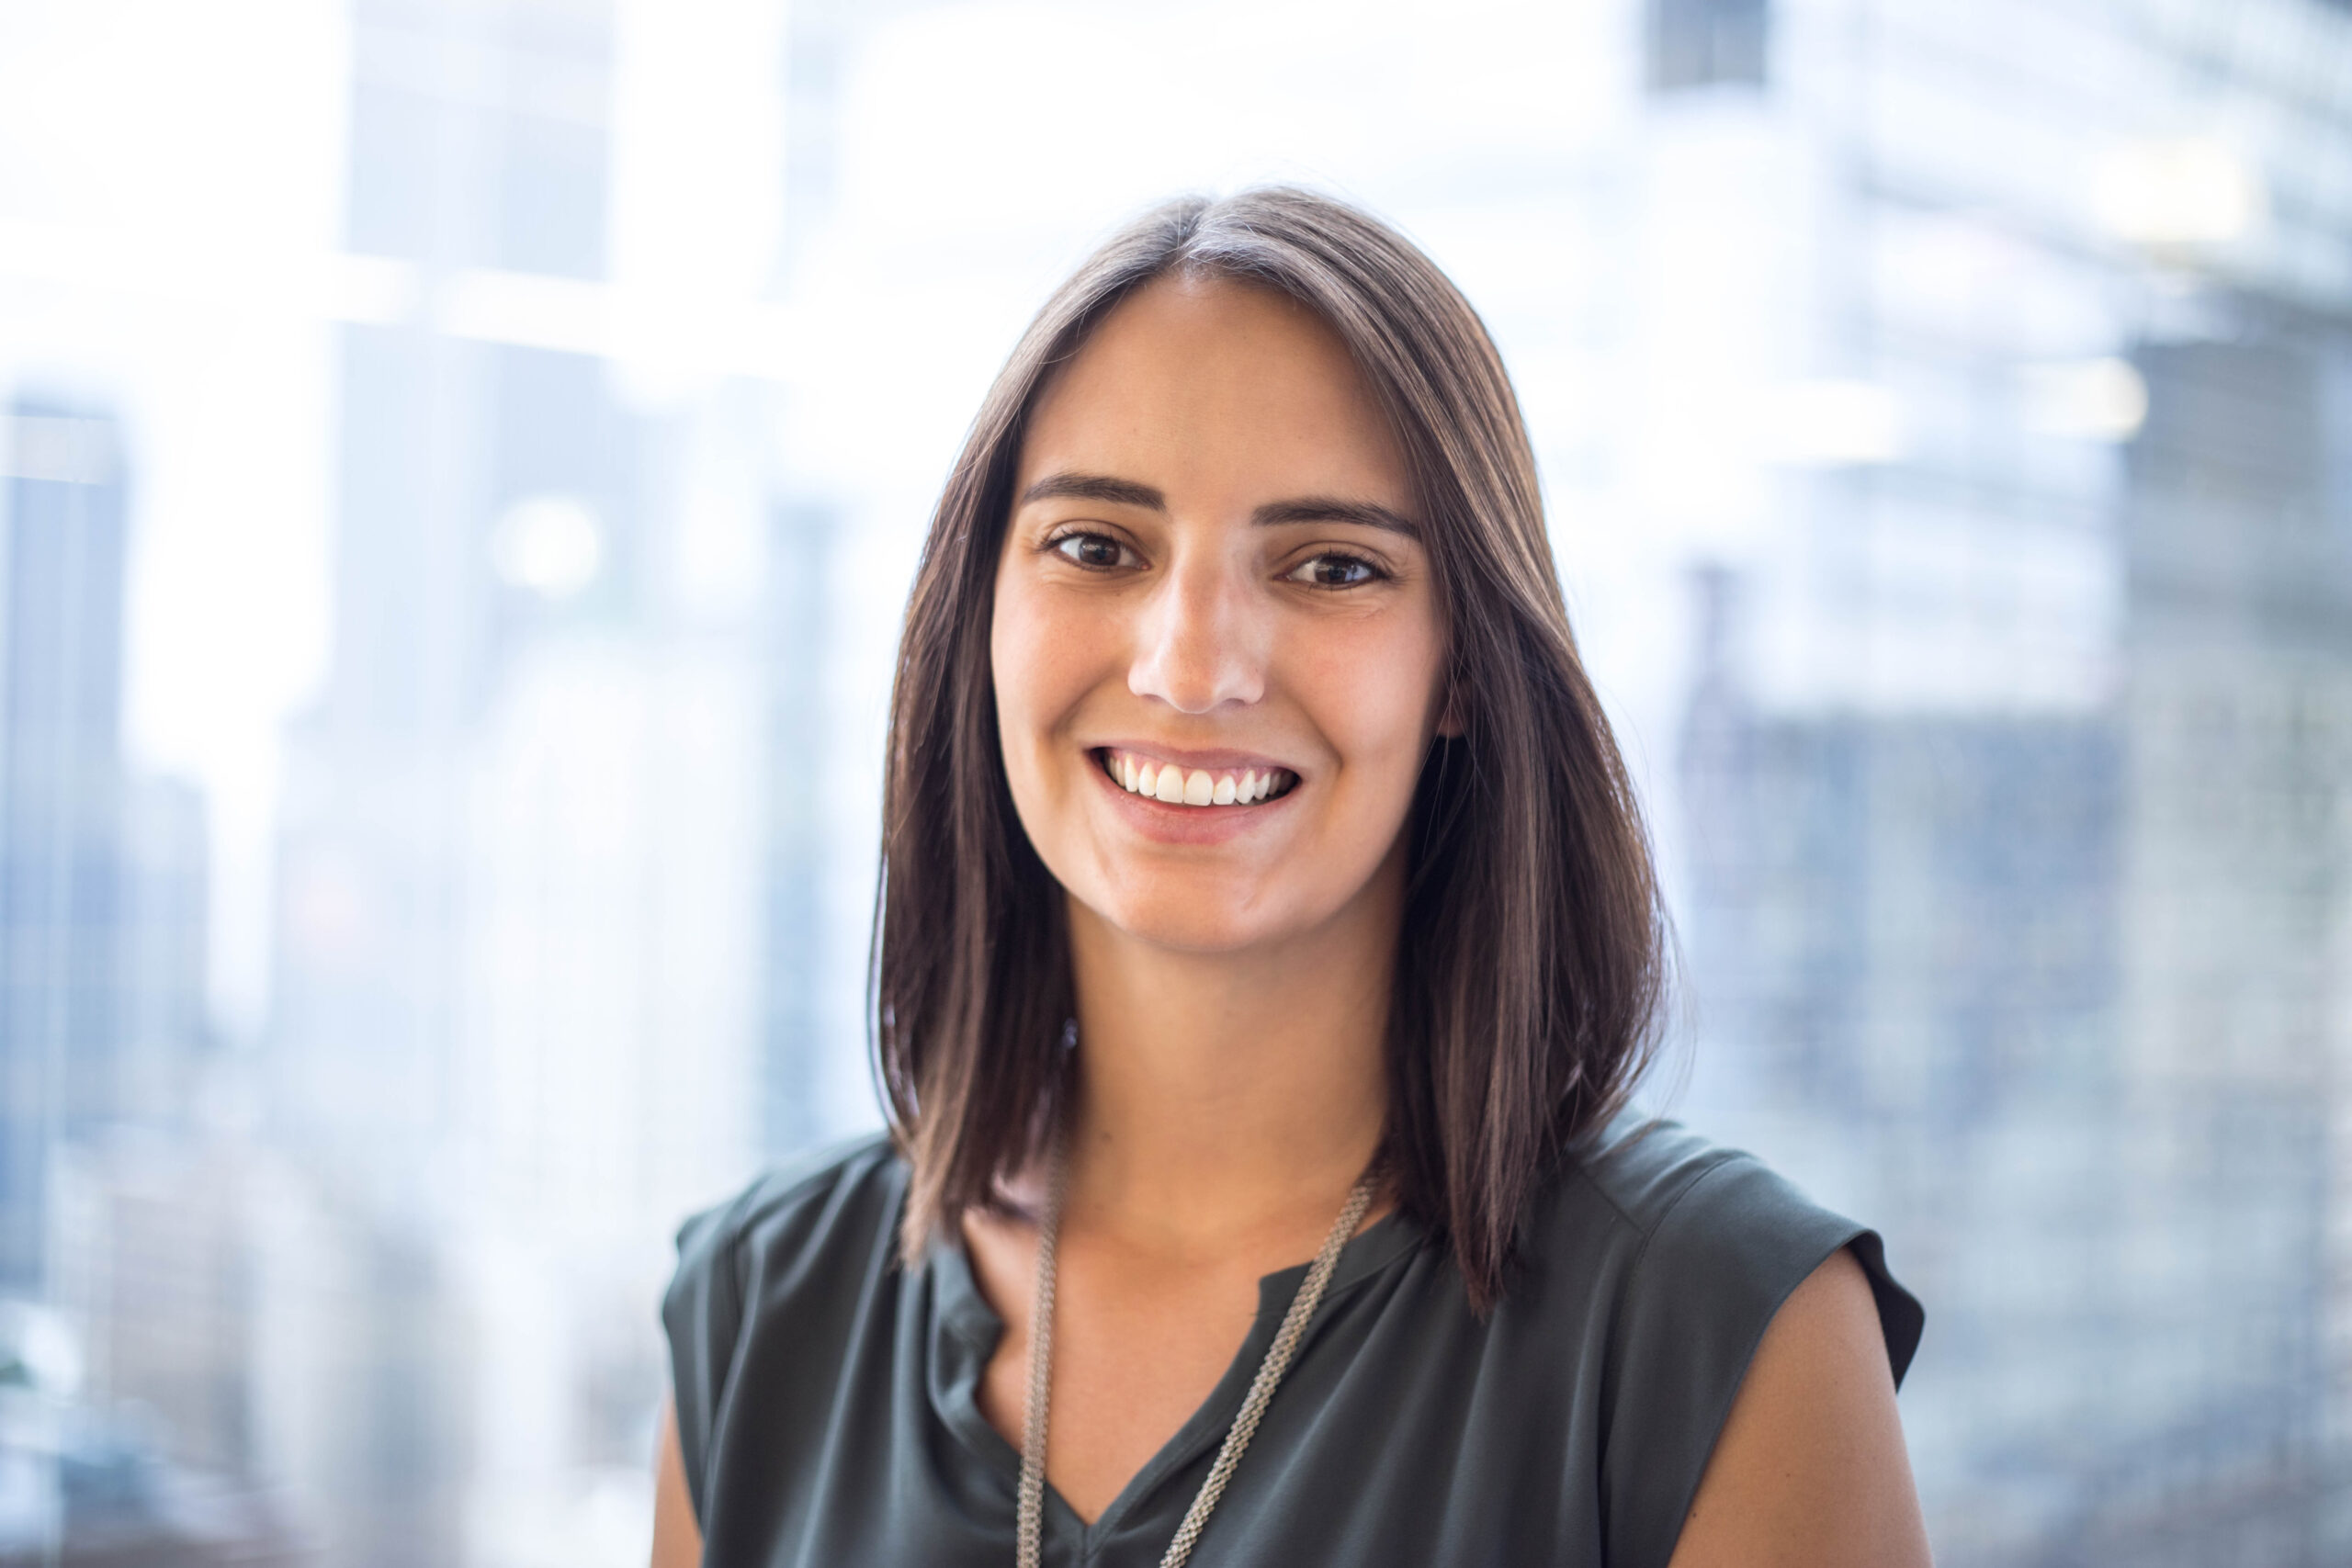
(1208, 385)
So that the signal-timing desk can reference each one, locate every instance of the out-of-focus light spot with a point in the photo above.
(371, 290)
(561, 313)
(2189, 191)
(549, 545)
(257, 280)
(666, 335)
(39, 1348)
(2090, 400)
(1829, 424)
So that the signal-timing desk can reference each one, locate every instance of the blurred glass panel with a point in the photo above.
(1699, 43)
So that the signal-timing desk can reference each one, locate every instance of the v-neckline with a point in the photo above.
(960, 1311)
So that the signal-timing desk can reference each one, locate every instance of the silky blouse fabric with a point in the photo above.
(828, 1398)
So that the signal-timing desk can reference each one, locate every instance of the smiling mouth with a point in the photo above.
(1178, 785)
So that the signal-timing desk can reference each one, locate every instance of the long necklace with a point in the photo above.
(1032, 1517)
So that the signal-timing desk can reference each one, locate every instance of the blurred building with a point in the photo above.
(2014, 776)
(61, 799)
(478, 150)
(549, 822)
(2238, 712)
(125, 1354)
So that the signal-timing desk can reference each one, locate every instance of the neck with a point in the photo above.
(1218, 1092)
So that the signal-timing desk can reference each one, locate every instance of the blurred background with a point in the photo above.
(460, 468)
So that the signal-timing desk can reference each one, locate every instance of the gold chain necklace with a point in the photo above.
(1032, 1512)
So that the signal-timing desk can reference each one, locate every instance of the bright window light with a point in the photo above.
(549, 545)
(2185, 191)
(2089, 399)
(1829, 424)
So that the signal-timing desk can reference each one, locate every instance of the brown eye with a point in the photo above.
(1334, 570)
(1095, 551)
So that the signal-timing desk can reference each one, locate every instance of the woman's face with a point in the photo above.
(1217, 652)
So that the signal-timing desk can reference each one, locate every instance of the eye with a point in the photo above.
(1334, 569)
(1096, 552)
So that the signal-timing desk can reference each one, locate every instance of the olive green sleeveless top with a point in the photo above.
(828, 1398)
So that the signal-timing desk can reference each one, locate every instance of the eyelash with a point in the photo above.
(1374, 573)
(1054, 544)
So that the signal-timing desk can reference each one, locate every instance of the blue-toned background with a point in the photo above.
(463, 461)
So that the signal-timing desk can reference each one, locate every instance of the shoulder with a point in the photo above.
(1694, 1248)
(1709, 1239)
(817, 1191)
(839, 1196)
(772, 1255)
(1662, 1182)
(1810, 1467)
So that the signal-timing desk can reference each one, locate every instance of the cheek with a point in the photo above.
(1039, 662)
(1373, 690)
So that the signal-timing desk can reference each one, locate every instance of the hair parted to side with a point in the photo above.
(1532, 968)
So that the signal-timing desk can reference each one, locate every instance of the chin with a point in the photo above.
(1206, 938)
(1183, 915)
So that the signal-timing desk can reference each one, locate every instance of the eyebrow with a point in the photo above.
(1330, 509)
(1304, 509)
(1095, 487)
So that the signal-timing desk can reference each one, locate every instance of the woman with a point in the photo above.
(1259, 874)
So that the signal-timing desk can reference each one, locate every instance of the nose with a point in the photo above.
(1200, 641)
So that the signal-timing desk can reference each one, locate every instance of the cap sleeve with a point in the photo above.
(1726, 1253)
(701, 1312)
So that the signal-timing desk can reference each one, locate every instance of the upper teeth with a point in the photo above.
(1195, 786)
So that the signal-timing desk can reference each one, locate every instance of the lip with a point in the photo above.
(1168, 823)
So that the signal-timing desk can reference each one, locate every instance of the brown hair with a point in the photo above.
(1532, 963)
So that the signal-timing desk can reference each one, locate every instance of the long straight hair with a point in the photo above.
(1532, 966)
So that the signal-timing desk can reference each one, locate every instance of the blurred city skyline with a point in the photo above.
(464, 460)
